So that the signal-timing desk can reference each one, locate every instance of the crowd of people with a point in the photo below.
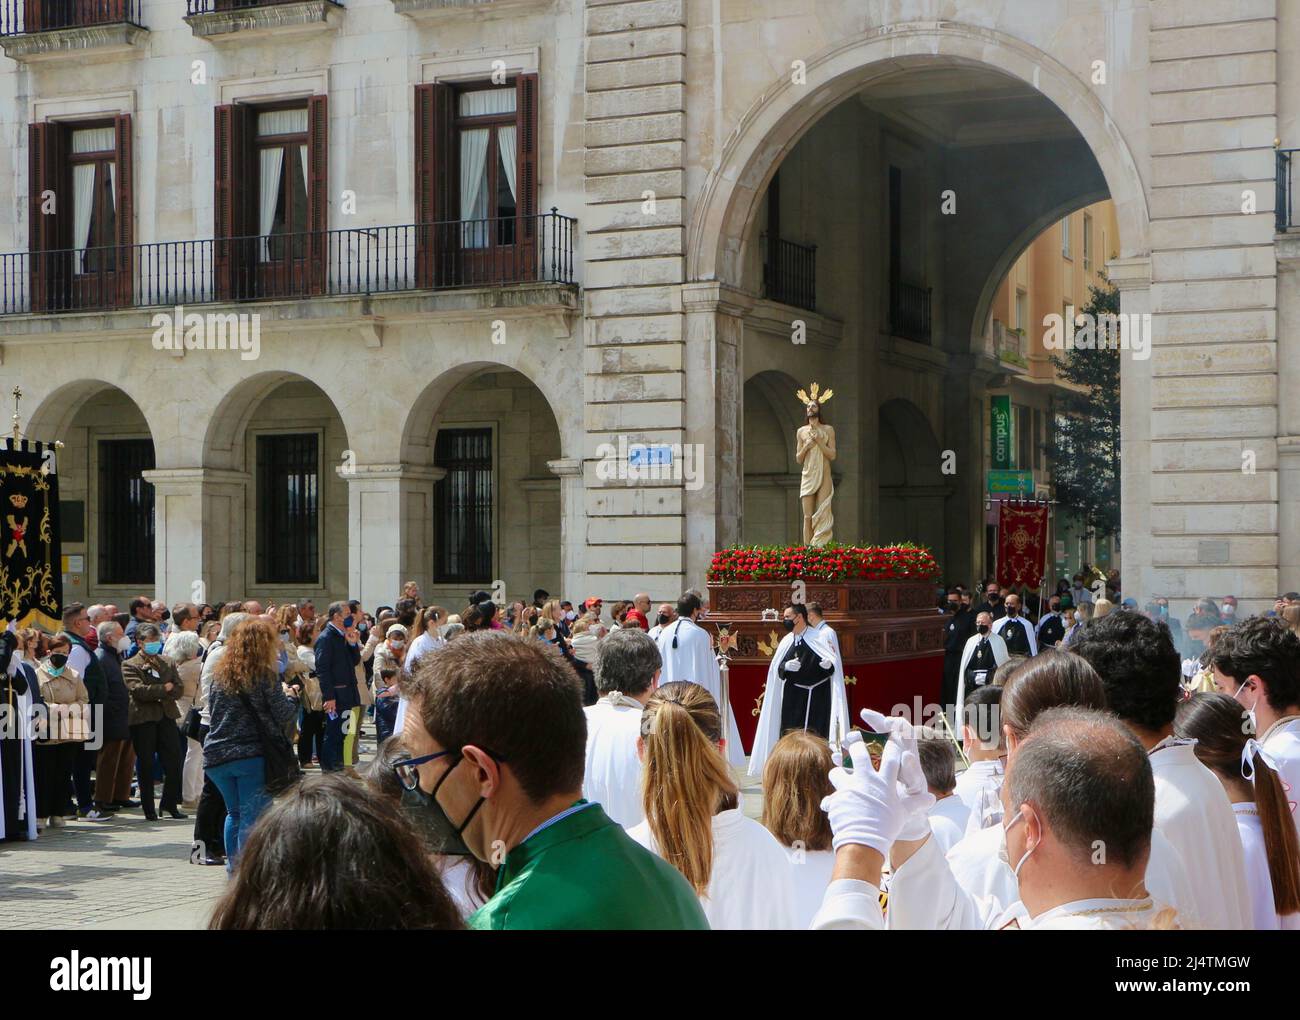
(546, 765)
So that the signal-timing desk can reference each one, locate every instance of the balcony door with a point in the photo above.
(281, 191)
(50, 15)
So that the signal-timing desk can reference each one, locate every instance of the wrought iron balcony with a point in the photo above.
(1283, 207)
(25, 17)
(789, 272)
(193, 7)
(909, 312)
(358, 261)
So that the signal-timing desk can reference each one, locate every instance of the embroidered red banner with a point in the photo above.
(1022, 544)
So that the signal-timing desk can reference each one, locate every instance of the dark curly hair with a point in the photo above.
(1266, 648)
(1138, 665)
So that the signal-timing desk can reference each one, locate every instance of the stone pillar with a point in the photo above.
(390, 529)
(1213, 510)
(1132, 277)
(200, 546)
(573, 578)
(634, 252)
(714, 422)
(1288, 429)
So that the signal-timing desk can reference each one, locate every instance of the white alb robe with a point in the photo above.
(1281, 742)
(27, 776)
(1194, 814)
(769, 718)
(750, 887)
(979, 789)
(1258, 880)
(953, 810)
(613, 774)
(811, 871)
(693, 659)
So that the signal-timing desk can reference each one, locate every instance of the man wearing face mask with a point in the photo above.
(1141, 671)
(497, 743)
(338, 653)
(1072, 761)
(663, 617)
(155, 687)
(983, 654)
(804, 691)
(1015, 631)
(81, 657)
(687, 652)
(992, 602)
(1257, 662)
(1051, 628)
(116, 759)
(956, 632)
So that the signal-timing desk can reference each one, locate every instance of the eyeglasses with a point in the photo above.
(408, 769)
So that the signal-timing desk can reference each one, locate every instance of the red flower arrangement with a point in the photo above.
(833, 562)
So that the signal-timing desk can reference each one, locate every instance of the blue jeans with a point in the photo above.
(331, 749)
(243, 786)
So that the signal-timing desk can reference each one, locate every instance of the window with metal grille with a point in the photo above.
(288, 509)
(126, 521)
(463, 505)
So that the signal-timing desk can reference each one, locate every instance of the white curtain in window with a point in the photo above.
(473, 187)
(302, 160)
(506, 145)
(282, 122)
(83, 204)
(94, 140)
(272, 161)
(482, 102)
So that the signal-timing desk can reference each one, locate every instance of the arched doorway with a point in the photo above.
(912, 485)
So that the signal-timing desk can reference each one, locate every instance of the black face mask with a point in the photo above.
(662, 619)
(58, 659)
(788, 624)
(439, 834)
(983, 628)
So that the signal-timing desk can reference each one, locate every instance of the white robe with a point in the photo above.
(978, 788)
(693, 659)
(613, 774)
(811, 871)
(769, 718)
(1000, 624)
(27, 777)
(750, 887)
(954, 810)
(1000, 655)
(1258, 880)
(1281, 742)
(1194, 814)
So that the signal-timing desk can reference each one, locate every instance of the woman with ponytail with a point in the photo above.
(1268, 835)
(693, 816)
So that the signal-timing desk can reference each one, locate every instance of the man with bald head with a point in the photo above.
(663, 617)
(639, 614)
(1016, 632)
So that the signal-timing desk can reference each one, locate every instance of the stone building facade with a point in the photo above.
(750, 195)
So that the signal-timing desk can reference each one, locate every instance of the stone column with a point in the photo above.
(1288, 429)
(573, 579)
(200, 544)
(1132, 277)
(390, 529)
(714, 420)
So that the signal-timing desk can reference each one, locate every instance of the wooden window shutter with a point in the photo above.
(527, 131)
(45, 163)
(318, 194)
(231, 182)
(125, 199)
(436, 199)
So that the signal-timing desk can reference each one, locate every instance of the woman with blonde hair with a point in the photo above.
(795, 779)
(249, 706)
(693, 817)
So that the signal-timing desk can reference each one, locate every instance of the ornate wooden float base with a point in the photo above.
(890, 632)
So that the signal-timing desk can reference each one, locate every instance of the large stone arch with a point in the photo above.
(55, 410)
(784, 111)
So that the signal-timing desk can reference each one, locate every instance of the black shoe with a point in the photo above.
(175, 812)
(126, 803)
(105, 809)
(151, 816)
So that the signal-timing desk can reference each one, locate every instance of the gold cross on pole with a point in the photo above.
(18, 395)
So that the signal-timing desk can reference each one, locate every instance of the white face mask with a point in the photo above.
(1002, 849)
(122, 644)
(1250, 712)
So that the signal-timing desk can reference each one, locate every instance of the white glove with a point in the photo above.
(867, 807)
(915, 793)
(792, 666)
(826, 664)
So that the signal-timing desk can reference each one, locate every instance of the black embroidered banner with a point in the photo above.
(31, 572)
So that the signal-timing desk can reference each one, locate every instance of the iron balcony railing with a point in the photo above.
(1283, 207)
(357, 261)
(909, 312)
(789, 272)
(24, 17)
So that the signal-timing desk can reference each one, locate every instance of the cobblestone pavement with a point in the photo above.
(130, 874)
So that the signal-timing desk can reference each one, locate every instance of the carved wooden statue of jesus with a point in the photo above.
(814, 449)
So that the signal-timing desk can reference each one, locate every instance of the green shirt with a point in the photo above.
(584, 871)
